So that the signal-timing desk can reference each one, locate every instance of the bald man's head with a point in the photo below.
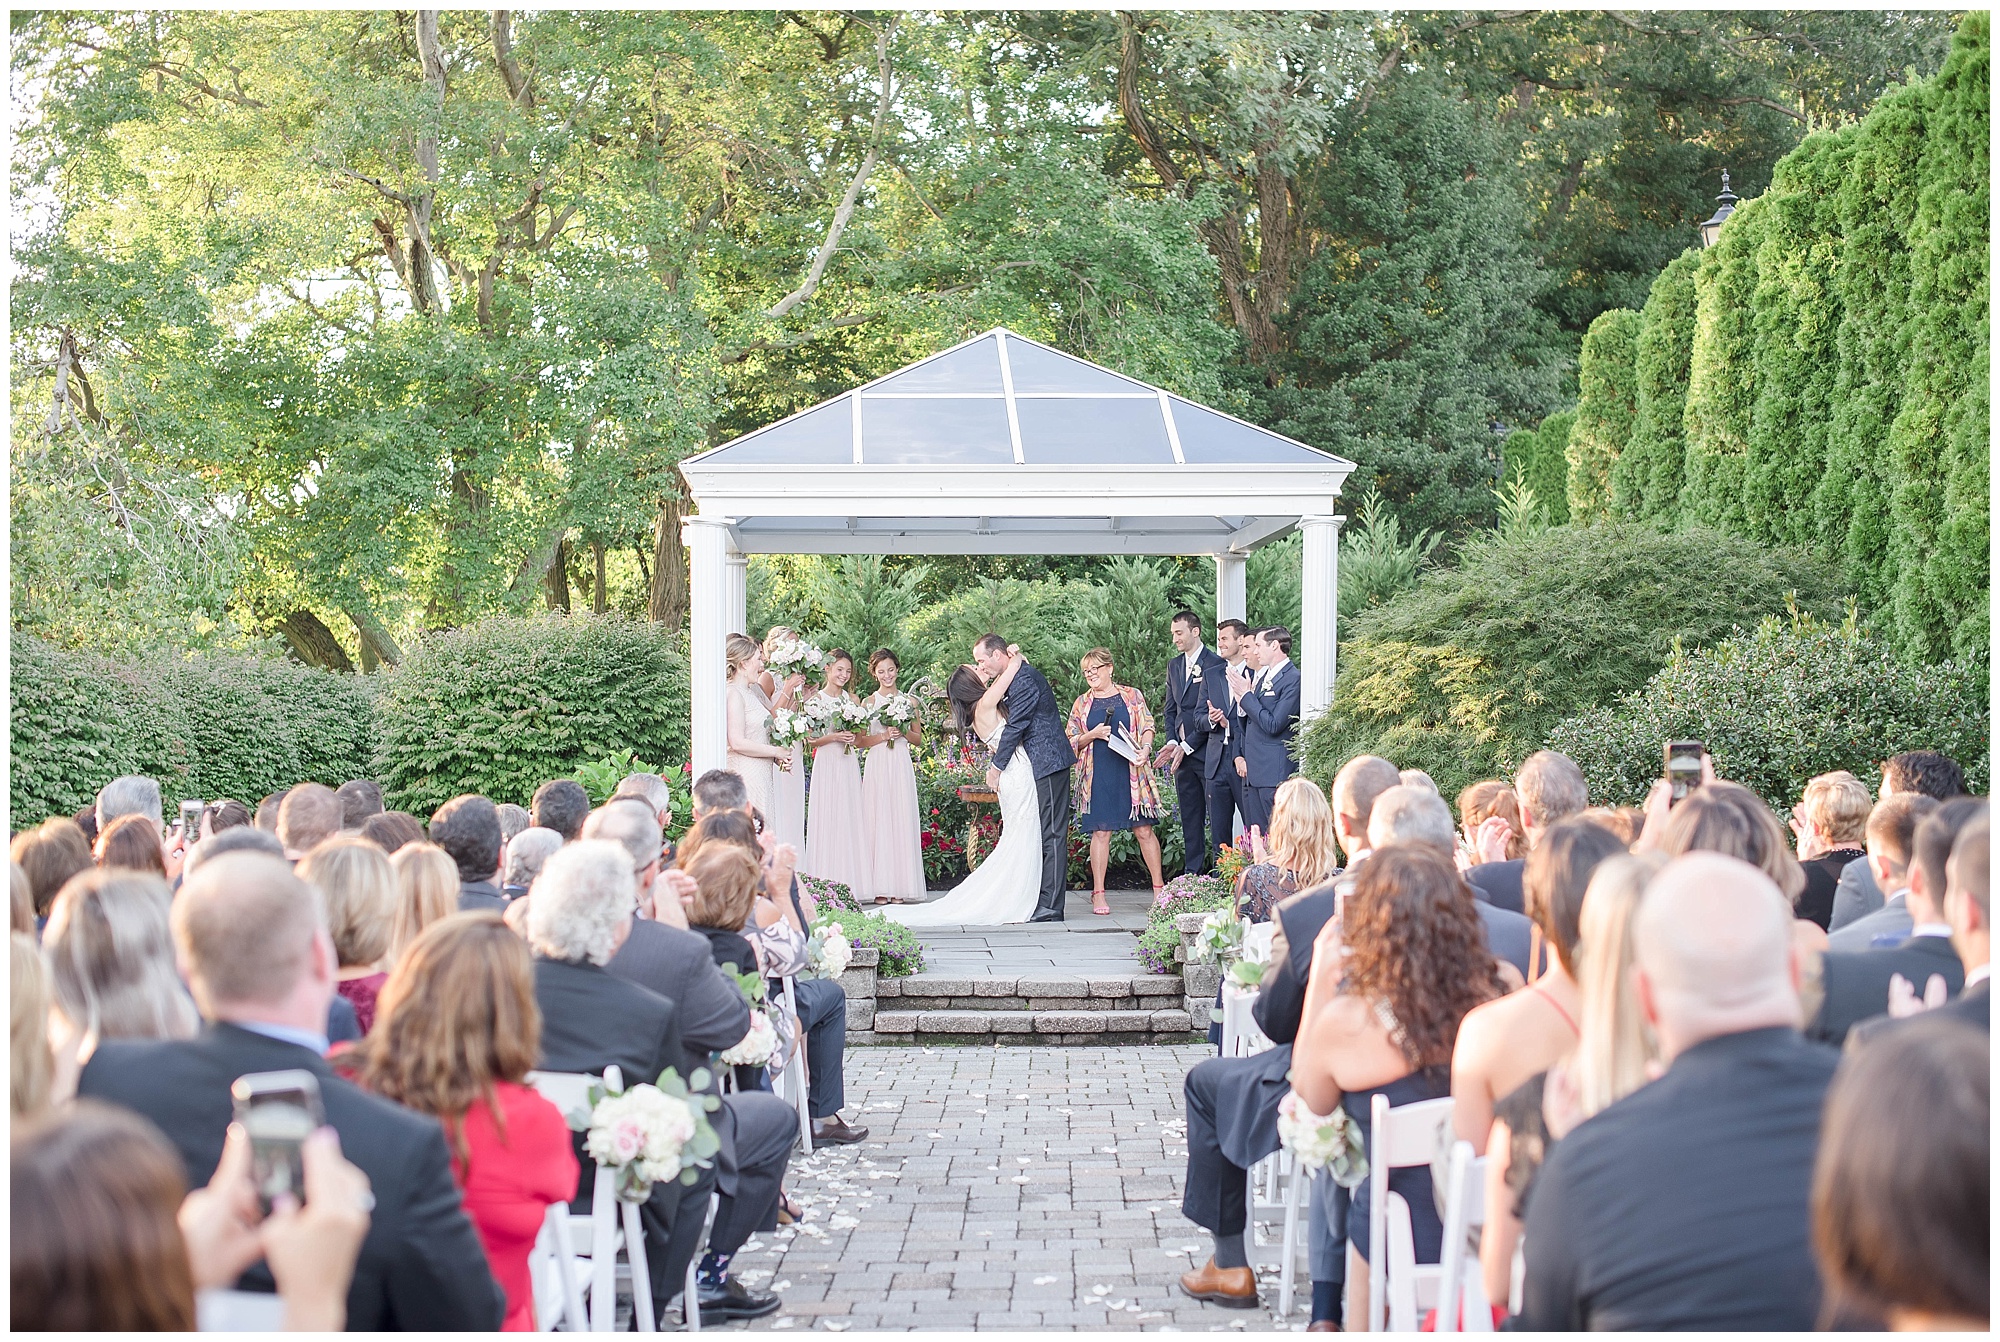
(244, 926)
(1713, 939)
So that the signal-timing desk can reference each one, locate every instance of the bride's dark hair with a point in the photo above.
(964, 690)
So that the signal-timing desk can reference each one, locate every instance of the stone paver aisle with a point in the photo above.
(999, 1188)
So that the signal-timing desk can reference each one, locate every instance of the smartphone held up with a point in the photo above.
(278, 1110)
(1683, 768)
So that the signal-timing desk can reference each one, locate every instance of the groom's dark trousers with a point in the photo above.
(1052, 792)
(1033, 725)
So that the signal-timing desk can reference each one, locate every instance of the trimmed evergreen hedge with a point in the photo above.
(502, 706)
(206, 727)
(1777, 706)
(1819, 377)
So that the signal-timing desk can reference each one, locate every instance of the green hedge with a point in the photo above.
(1775, 707)
(1819, 377)
(205, 727)
(1539, 459)
(1464, 675)
(502, 706)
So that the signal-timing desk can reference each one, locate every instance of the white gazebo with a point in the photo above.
(1003, 445)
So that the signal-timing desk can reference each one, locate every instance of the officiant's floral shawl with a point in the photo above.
(1146, 803)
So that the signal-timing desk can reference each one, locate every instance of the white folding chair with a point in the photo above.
(1240, 1036)
(557, 1275)
(1399, 1137)
(1278, 1189)
(613, 1227)
(1461, 1286)
(791, 1082)
(1257, 941)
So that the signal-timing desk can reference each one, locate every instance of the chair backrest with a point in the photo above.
(1240, 1036)
(1257, 941)
(1400, 1136)
(1462, 1303)
(570, 1091)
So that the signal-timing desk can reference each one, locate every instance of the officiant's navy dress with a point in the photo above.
(1110, 772)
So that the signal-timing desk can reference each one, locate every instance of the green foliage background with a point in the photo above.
(1819, 377)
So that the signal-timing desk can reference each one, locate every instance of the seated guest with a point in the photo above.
(1613, 1050)
(359, 799)
(105, 1240)
(358, 886)
(1417, 778)
(652, 790)
(1684, 1205)
(468, 829)
(1921, 773)
(756, 1128)
(560, 804)
(1549, 787)
(267, 812)
(132, 843)
(426, 891)
(133, 794)
(33, 1081)
(1506, 1042)
(1627, 822)
(50, 854)
(1298, 855)
(1892, 923)
(720, 790)
(579, 913)
(1890, 837)
(111, 961)
(1475, 804)
(1966, 896)
(309, 815)
(513, 819)
(1390, 982)
(1856, 985)
(392, 829)
(85, 819)
(526, 852)
(1232, 1103)
(240, 839)
(1407, 815)
(23, 902)
(224, 814)
(459, 1032)
(1830, 824)
(1730, 819)
(1901, 1221)
(253, 944)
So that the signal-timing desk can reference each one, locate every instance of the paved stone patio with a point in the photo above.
(1000, 1188)
(1082, 943)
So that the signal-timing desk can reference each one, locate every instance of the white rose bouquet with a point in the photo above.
(649, 1135)
(1330, 1142)
(829, 950)
(855, 717)
(756, 1047)
(790, 727)
(1220, 940)
(896, 713)
(793, 656)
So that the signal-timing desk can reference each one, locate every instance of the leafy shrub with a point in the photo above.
(205, 728)
(1464, 675)
(1776, 706)
(1539, 459)
(502, 706)
(901, 953)
(1184, 894)
(831, 896)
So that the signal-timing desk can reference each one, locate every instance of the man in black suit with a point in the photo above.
(560, 804)
(252, 943)
(757, 1128)
(1549, 787)
(1232, 1103)
(1267, 714)
(468, 828)
(579, 914)
(1225, 743)
(1035, 724)
(1891, 836)
(1685, 1205)
(1965, 912)
(1194, 679)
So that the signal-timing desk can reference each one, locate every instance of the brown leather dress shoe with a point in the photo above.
(1322, 1326)
(1235, 1287)
(836, 1132)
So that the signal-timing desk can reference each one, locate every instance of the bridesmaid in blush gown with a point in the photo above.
(835, 842)
(751, 753)
(889, 816)
(786, 817)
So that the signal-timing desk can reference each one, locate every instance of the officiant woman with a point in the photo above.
(1118, 792)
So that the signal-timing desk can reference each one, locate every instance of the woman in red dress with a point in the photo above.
(456, 1033)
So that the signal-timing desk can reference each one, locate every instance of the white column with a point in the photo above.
(707, 540)
(736, 598)
(1319, 610)
(1229, 599)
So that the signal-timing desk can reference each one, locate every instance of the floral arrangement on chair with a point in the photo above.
(828, 950)
(648, 1134)
(1330, 1142)
(757, 1046)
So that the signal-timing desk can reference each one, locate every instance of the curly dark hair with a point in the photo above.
(1415, 940)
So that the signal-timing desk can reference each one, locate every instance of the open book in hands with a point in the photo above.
(1121, 741)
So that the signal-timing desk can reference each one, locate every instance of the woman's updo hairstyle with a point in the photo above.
(881, 655)
(739, 648)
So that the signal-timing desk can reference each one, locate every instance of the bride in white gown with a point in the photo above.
(1007, 884)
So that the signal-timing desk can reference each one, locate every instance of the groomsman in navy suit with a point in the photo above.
(1196, 679)
(1267, 713)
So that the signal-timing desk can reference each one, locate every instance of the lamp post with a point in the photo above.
(1725, 205)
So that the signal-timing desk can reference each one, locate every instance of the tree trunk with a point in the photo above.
(668, 598)
(598, 603)
(378, 647)
(312, 642)
(556, 577)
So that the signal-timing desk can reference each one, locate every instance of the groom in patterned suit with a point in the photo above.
(1196, 679)
(1034, 724)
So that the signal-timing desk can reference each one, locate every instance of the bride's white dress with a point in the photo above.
(1007, 884)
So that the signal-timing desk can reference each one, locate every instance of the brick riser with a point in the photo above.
(1054, 1009)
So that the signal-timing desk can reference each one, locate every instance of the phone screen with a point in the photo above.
(278, 1110)
(1684, 767)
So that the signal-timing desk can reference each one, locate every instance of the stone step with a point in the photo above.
(1126, 993)
(907, 1024)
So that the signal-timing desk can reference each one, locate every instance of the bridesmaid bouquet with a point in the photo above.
(897, 712)
(855, 717)
(794, 655)
(790, 727)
